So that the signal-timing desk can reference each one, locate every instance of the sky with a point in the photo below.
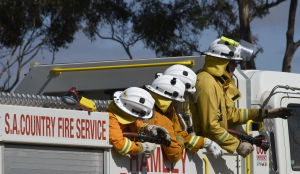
(271, 31)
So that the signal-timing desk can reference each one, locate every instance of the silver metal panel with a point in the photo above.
(28, 159)
(1, 159)
(39, 80)
(244, 85)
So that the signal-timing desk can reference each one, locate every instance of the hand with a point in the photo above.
(244, 149)
(213, 147)
(283, 113)
(147, 149)
(154, 130)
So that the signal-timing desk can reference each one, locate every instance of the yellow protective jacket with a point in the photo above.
(165, 108)
(214, 109)
(175, 151)
(123, 144)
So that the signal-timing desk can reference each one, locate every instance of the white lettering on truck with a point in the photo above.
(35, 125)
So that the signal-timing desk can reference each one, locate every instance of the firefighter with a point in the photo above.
(214, 109)
(188, 77)
(165, 90)
(126, 111)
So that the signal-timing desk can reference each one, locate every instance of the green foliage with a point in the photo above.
(221, 16)
(171, 29)
(54, 21)
(103, 14)
(28, 26)
(65, 19)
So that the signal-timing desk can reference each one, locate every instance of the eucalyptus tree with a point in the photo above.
(291, 45)
(238, 24)
(170, 28)
(27, 27)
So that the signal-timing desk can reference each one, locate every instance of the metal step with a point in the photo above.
(44, 101)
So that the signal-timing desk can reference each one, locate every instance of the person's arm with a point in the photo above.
(140, 125)
(121, 144)
(237, 115)
(191, 142)
(241, 116)
(175, 151)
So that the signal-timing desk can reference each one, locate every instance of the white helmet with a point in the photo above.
(185, 74)
(136, 102)
(169, 87)
(229, 49)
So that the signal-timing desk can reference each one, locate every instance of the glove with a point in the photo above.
(283, 113)
(244, 149)
(147, 149)
(153, 130)
(213, 147)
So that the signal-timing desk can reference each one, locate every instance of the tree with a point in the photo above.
(249, 10)
(112, 20)
(170, 29)
(246, 11)
(291, 46)
(26, 27)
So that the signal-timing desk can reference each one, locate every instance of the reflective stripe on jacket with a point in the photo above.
(214, 109)
(191, 142)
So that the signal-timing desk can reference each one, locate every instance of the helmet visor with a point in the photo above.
(246, 50)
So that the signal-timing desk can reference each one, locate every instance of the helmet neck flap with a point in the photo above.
(215, 66)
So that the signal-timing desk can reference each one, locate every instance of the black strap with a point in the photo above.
(235, 97)
(221, 115)
(221, 79)
(224, 77)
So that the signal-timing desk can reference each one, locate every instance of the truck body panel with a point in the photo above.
(77, 141)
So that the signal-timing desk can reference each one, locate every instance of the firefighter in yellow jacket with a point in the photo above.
(166, 89)
(124, 111)
(214, 109)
